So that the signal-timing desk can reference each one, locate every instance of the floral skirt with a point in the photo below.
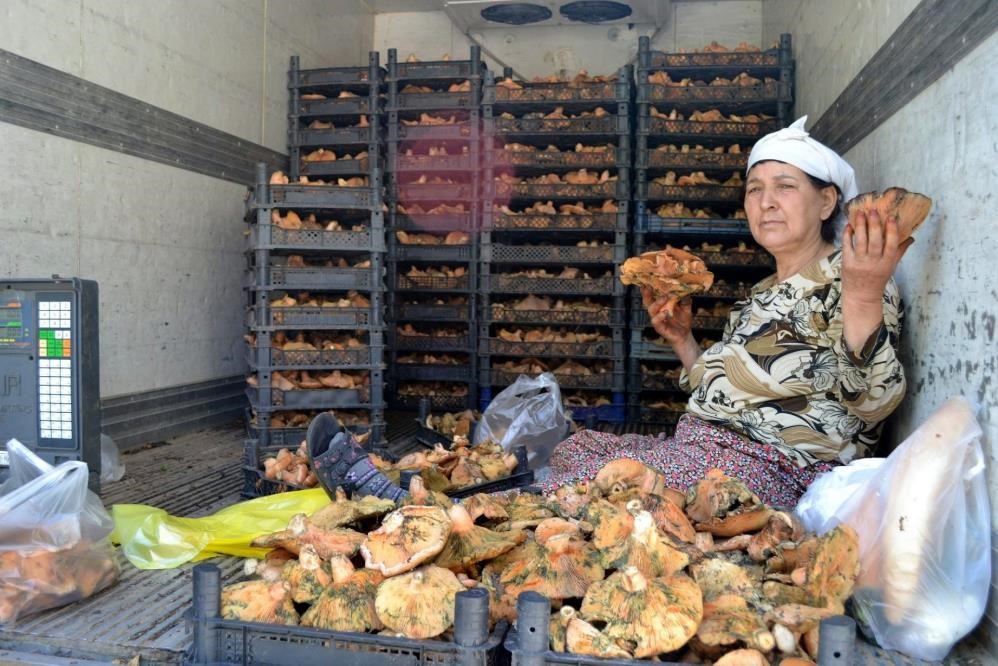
(684, 459)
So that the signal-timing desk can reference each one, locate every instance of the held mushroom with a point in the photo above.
(418, 604)
(408, 537)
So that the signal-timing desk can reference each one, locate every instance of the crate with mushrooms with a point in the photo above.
(555, 221)
(698, 115)
(434, 150)
(621, 567)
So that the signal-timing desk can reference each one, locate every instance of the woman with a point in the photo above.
(807, 369)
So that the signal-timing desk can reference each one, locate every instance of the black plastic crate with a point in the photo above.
(405, 282)
(616, 412)
(435, 253)
(336, 136)
(590, 126)
(428, 163)
(685, 131)
(606, 381)
(496, 221)
(430, 343)
(335, 106)
(450, 403)
(646, 190)
(645, 414)
(231, 642)
(639, 319)
(291, 438)
(432, 70)
(758, 259)
(552, 254)
(323, 359)
(741, 60)
(602, 349)
(614, 189)
(432, 312)
(645, 349)
(359, 398)
(409, 192)
(644, 381)
(323, 196)
(609, 158)
(433, 372)
(562, 93)
(315, 278)
(607, 316)
(434, 101)
(433, 222)
(314, 318)
(687, 227)
(271, 236)
(524, 285)
(649, 158)
(340, 167)
(335, 76)
(458, 131)
(766, 92)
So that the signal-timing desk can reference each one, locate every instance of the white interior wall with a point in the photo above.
(941, 143)
(164, 244)
(541, 51)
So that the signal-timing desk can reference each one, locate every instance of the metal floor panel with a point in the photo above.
(143, 614)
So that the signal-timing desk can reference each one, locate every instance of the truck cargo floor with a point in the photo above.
(142, 616)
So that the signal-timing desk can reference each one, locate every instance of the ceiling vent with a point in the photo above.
(594, 11)
(516, 13)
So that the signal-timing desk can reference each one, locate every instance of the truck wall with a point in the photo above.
(164, 244)
(541, 51)
(941, 143)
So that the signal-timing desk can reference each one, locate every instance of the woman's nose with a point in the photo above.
(767, 200)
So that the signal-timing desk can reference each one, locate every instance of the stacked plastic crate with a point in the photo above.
(434, 125)
(698, 115)
(317, 252)
(555, 220)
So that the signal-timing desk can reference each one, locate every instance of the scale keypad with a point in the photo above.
(55, 379)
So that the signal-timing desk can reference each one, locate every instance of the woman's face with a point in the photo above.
(784, 209)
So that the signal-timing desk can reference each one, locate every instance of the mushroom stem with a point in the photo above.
(633, 581)
(461, 519)
(341, 567)
(786, 642)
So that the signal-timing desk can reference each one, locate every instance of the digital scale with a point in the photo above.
(50, 371)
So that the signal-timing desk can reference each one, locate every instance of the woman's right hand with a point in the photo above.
(675, 328)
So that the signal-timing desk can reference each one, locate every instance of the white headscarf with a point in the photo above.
(794, 146)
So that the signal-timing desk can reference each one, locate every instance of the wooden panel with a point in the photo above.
(45, 99)
(934, 37)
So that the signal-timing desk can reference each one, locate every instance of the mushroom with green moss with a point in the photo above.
(420, 603)
(347, 603)
(468, 543)
(408, 537)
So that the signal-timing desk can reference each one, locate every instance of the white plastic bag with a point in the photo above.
(53, 536)
(529, 412)
(111, 467)
(819, 507)
(924, 527)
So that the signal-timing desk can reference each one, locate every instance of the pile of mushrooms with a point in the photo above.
(633, 569)
(445, 470)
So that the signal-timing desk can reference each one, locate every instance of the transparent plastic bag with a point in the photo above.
(53, 536)
(924, 526)
(529, 412)
(111, 467)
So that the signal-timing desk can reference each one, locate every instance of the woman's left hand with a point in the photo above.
(870, 255)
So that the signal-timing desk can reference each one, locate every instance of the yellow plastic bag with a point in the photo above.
(153, 539)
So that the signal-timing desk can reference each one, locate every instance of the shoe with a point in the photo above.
(340, 462)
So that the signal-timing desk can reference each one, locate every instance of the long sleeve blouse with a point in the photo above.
(782, 373)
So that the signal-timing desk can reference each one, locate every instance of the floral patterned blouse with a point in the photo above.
(782, 374)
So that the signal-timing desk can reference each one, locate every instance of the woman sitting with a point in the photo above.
(807, 368)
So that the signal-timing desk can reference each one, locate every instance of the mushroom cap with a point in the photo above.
(656, 615)
(408, 537)
(611, 527)
(345, 511)
(570, 501)
(483, 505)
(306, 576)
(552, 526)
(347, 604)
(717, 495)
(466, 472)
(468, 543)
(421, 495)
(832, 572)
(649, 552)
(778, 594)
(259, 601)
(717, 577)
(743, 657)
(668, 515)
(419, 604)
(626, 473)
(583, 638)
(525, 513)
(561, 569)
(739, 522)
(798, 617)
(301, 531)
(728, 620)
